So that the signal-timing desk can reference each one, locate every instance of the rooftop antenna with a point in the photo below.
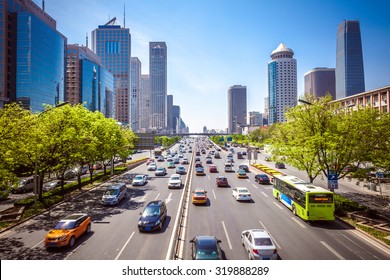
(43, 5)
(124, 15)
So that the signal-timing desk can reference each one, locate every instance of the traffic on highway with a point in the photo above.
(229, 207)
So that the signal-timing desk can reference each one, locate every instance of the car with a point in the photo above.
(176, 160)
(198, 164)
(262, 179)
(217, 155)
(139, 180)
(200, 171)
(259, 245)
(24, 185)
(241, 193)
(184, 161)
(180, 170)
(241, 173)
(213, 169)
(267, 158)
(228, 167)
(222, 181)
(149, 161)
(199, 196)
(230, 159)
(152, 167)
(244, 153)
(280, 165)
(114, 194)
(239, 155)
(171, 164)
(209, 161)
(206, 248)
(153, 216)
(51, 185)
(68, 230)
(244, 167)
(161, 171)
(160, 158)
(174, 181)
(197, 159)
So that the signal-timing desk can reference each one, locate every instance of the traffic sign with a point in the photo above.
(332, 180)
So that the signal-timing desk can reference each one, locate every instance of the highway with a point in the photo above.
(115, 235)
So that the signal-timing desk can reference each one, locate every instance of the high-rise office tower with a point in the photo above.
(349, 60)
(176, 118)
(255, 119)
(32, 56)
(88, 82)
(112, 43)
(144, 103)
(282, 83)
(169, 112)
(320, 81)
(236, 108)
(135, 93)
(158, 84)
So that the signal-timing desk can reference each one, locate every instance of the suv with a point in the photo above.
(114, 194)
(153, 216)
(222, 181)
(24, 185)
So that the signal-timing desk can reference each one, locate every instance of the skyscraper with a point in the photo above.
(135, 92)
(349, 60)
(158, 84)
(176, 118)
(32, 56)
(169, 112)
(282, 83)
(112, 43)
(236, 108)
(320, 81)
(144, 103)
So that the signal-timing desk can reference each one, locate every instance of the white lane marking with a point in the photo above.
(277, 244)
(143, 198)
(167, 200)
(280, 207)
(247, 180)
(332, 250)
(157, 196)
(298, 222)
(214, 195)
(254, 186)
(373, 242)
(264, 194)
(36, 245)
(124, 246)
(227, 236)
(208, 176)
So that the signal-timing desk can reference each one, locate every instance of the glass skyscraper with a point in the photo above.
(32, 55)
(112, 43)
(136, 67)
(282, 83)
(349, 60)
(236, 108)
(158, 84)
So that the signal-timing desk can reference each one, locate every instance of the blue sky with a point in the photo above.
(214, 44)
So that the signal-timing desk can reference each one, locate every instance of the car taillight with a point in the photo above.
(255, 251)
(275, 251)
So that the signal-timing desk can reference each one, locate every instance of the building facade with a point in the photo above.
(158, 84)
(144, 103)
(112, 43)
(176, 119)
(321, 81)
(169, 112)
(349, 60)
(135, 92)
(237, 108)
(282, 83)
(255, 119)
(32, 56)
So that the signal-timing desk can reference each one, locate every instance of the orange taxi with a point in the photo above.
(199, 196)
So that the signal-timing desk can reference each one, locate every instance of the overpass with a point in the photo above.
(191, 134)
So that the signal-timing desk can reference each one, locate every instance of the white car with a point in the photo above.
(152, 166)
(139, 180)
(259, 245)
(184, 161)
(241, 193)
(174, 181)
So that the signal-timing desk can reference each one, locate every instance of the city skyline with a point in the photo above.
(216, 44)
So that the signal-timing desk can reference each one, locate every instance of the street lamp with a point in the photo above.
(36, 157)
(305, 102)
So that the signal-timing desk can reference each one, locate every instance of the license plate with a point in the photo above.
(147, 228)
(266, 258)
(52, 243)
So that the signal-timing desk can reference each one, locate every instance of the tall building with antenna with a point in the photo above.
(112, 43)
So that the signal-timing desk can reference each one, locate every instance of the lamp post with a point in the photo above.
(36, 181)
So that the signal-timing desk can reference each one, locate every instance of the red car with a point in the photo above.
(213, 169)
(222, 181)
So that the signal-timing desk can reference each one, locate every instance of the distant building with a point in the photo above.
(205, 129)
(169, 112)
(237, 109)
(32, 56)
(144, 103)
(282, 83)
(88, 82)
(349, 60)
(158, 84)
(112, 43)
(320, 81)
(176, 118)
(255, 119)
(135, 92)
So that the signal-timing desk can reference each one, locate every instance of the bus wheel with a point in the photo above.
(294, 210)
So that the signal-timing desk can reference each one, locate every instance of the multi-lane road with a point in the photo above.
(115, 234)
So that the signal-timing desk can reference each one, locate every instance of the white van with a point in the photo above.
(24, 185)
(114, 194)
(228, 167)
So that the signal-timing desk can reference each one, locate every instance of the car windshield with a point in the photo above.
(151, 211)
(243, 191)
(111, 192)
(264, 241)
(199, 193)
(138, 177)
(65, 225)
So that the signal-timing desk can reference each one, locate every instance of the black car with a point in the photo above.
(206, 248)
(244, 167)
(262, 179)
(153, 216)
(280, 165)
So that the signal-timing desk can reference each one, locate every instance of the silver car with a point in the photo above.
(259, 245)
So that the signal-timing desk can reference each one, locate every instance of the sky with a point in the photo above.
(215, 44)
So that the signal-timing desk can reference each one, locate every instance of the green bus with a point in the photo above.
(311, 203)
